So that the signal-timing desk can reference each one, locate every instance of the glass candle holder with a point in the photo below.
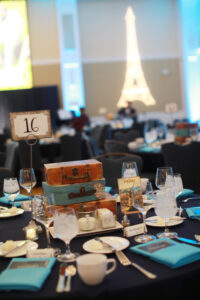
(31, 231)
(86, 218)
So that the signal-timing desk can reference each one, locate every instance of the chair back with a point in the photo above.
(100, 133)
(71, 147)
(126, 137)
(112, 146)
(112, 166)
(186, 161)
(12, 158)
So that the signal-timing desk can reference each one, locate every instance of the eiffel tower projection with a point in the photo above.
(135, 87)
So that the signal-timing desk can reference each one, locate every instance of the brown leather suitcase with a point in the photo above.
(73, 172)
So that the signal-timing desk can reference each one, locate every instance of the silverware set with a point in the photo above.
(124, 260)
(68, 271)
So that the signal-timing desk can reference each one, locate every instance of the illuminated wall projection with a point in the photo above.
(15, 63)
(135, 87)
(71, 67)
(190, 11)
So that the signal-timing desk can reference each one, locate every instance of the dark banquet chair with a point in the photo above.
(70, 147)
(112, 167)
(126, 137)
(186, 161)
(111, 146)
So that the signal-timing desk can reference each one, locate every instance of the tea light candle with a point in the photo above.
(87, 223)
(31, 234)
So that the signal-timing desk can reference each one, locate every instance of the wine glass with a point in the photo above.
(44, 214)
(27, 180)
(139, 204)
(164, 178)
(178, 184)
(150, 133)
(129, 169)
(11, 188)
(66, 228)
(166, 207)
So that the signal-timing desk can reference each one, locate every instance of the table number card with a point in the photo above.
(30, 125)
(129, 191)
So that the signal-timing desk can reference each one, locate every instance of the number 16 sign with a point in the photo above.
(31, 124)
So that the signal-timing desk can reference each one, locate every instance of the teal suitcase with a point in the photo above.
(77, 192)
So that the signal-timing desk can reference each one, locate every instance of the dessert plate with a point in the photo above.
(19, 251)
(94, 246)
(156, 221)
(8, 213)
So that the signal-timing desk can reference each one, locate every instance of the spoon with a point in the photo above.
(69, 272)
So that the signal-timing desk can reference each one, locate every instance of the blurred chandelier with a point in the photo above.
(135, 87)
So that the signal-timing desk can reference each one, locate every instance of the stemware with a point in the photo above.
(66, 228)
(11, 188)
(27, 180)
(150, 133)
(178, 187)
(129, 169)
(139, 204)
(44, 214)
(164, 178)
(166, 207)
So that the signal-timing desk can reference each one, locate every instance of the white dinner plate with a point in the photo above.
(21, 250)
(118, 242)
(156, 221)
(9, 214)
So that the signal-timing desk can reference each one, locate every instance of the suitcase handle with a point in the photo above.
(84, 176)
(82, 193)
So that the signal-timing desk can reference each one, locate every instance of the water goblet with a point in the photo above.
(139, 204)
(44, 213)
(164, 178)
(66, 228)
(129, 169)
(11, 188)
(178, 187)
(166, 207)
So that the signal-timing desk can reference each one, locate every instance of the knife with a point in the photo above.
(113, 248)
(61, 279)
(189, 241)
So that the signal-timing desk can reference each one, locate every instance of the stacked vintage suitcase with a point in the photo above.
(77, 183)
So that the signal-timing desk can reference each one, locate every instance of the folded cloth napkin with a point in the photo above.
(17, 202)
(26, 274)
(168, 252)
(193, 212)
(185, 193)
(148, 149)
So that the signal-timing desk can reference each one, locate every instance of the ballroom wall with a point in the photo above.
(103, 49)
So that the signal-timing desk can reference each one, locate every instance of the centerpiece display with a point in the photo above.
(80, 185)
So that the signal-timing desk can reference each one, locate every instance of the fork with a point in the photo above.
(124, 260)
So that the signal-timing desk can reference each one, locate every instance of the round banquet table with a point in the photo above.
(179, 283)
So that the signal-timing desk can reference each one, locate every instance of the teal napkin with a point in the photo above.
(168, 252)
(18, 199)
(185, 193)
(148, 149)
(108, 189)
(193, 212)
(26, 274)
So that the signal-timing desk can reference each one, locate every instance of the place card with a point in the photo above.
(134, 230)
(30, 125)
(37, 253)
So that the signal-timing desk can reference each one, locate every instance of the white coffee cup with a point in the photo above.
(144, 184)
(92, 268)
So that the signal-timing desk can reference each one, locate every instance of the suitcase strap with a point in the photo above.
(82, 193)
